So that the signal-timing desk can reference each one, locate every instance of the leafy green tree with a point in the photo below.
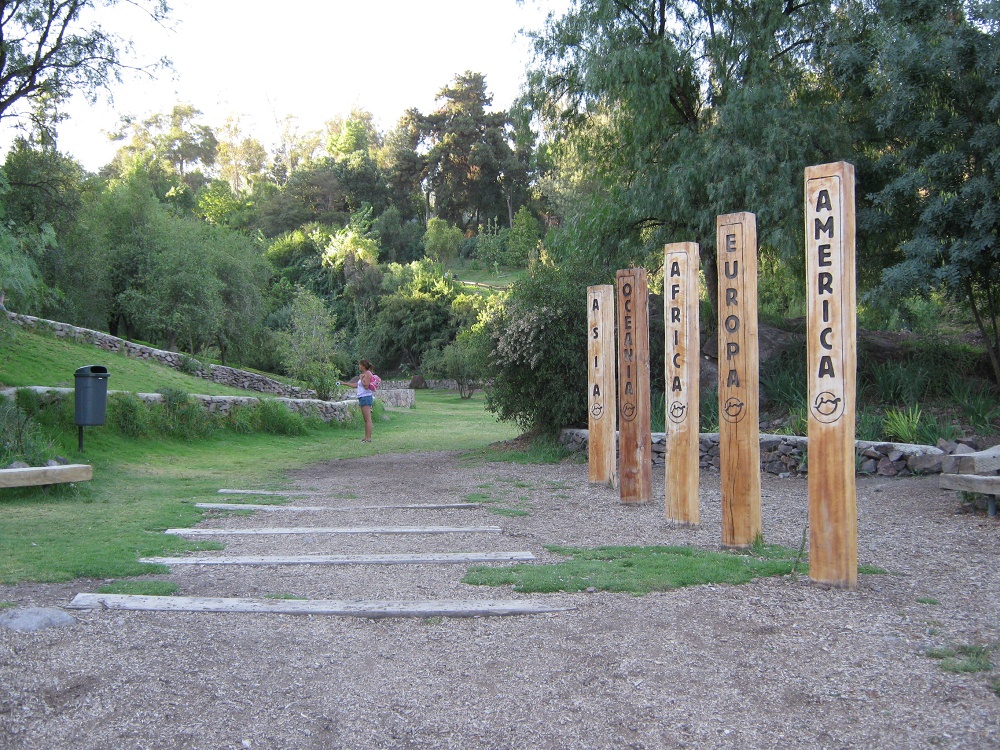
(50, 48)
(467, 153)
(666, 114)
(458, 361)
(525, 234)
(239, 159)
(309, 345)
(930, 73)
(442, 241)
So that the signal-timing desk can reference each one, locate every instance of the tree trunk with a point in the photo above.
(989, 337)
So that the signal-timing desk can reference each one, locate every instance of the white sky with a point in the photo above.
(314, 59)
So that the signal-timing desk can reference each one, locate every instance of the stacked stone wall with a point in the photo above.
(786, 455)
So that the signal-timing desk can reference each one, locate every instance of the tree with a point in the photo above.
(441, 241)
(467, 154)
(308, 347)
(239, 159)
(930, 73)
(664, 114)
(50, 48)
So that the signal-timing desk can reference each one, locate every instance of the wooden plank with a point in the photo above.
(971, 483)
(635, 444)
(339, 530)
(282, 493)
(364, 608)
(433, 558)
(318, 508)
(831, 307)
(739, 378)
(36, 476)
(602, 407)
(681, 371)
(980, 462)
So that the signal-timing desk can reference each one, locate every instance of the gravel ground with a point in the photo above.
(776, 663)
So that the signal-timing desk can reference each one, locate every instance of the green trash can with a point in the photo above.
(91, 395)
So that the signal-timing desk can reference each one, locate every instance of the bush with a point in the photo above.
(128, 414)
(21, 437)
(183, 416)
(534, 336)
(457, 361)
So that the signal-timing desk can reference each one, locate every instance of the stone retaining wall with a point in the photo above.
(785, 455)
(221, 405)
(217, 373)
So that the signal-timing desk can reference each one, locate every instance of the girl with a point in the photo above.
(365, 396)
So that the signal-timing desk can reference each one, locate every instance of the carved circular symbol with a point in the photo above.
(597, 410)
(628, 411)
(733, 409)
(677, 412)
(826, 407)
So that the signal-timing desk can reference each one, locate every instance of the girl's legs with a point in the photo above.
(367, 412)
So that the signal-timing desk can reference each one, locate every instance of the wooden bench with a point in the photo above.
(35, 476)
(974, 472)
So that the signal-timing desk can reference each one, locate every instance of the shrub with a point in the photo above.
(129, 415)
(902, 424)
(182, 415)
(534, 336)
(783, 379)
(457, 361)
(21, 438)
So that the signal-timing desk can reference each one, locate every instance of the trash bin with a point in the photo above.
(91, 394)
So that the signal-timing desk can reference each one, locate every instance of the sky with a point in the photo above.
(315, 59)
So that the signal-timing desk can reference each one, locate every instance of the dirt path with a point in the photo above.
(774, 663)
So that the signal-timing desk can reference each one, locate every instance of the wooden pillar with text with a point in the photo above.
(832, 366)
(681, 369)
(602, 405)
(739, 408)
(635, 448)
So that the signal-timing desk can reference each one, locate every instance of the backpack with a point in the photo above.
(375, 382)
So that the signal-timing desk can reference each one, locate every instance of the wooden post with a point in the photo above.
(739, 430)
(601, 402)
(681, 347)
(635, 447)
(832, 371)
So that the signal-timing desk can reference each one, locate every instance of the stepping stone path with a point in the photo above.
(356, 608)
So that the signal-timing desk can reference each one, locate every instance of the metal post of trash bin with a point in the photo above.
(91, 397)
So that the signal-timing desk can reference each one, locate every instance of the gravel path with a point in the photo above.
(775, 663)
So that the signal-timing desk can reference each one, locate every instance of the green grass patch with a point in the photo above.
(479, 497)
(40, 359)
(927, 600)
(295, 597)
(141, 486)
(8, 605)
(509, 512)
(961, 659)
(140, 587)
(636, 570)
(640, 570)
(537, 449)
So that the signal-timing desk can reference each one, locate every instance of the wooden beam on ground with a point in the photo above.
(340, 530)
(370, 609)
(36, 476)
(971, 483)
(318, 508)
(282, 493)
(434, 558)
(980, 462)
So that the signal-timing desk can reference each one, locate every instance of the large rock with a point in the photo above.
(29, 619)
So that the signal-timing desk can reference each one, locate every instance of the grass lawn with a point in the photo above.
(502, 279)
(41, 359)
(100, 528)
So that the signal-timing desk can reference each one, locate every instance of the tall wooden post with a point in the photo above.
(635, 447)
(681, 346)
(832, 363)
(601, 402)
(739, 408)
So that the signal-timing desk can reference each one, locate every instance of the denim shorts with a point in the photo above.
(365, 400)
